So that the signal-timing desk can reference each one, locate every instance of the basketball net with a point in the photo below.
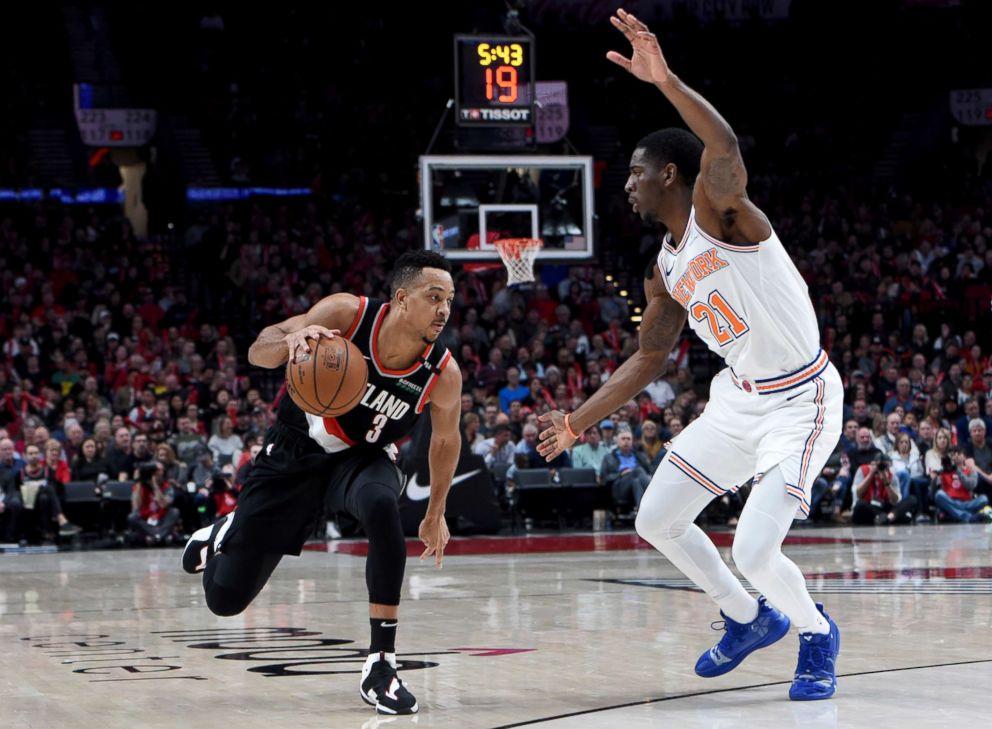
(518, 256)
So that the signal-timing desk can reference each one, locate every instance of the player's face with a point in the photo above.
(428, 303)
(645, 189)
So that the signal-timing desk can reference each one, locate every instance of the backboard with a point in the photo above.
(470, 201)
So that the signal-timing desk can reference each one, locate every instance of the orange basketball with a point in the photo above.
(330, 379)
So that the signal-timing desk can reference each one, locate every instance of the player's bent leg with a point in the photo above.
(232, 580)
(665, 519)
(765, 521)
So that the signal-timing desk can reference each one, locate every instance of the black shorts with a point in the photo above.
(288, 486)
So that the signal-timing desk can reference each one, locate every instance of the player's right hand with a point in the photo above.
(555, 440)
(296, 342)
(646, 61)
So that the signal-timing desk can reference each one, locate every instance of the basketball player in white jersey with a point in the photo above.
(774, 413)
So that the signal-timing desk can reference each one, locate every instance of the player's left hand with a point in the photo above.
(434, 534)
(646, 61)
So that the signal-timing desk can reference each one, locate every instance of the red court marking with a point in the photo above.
(924, 573)
(486, 652)
(605, 542)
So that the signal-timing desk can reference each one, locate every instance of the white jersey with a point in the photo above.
(747, 302)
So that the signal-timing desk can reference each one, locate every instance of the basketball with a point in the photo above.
(330, 379)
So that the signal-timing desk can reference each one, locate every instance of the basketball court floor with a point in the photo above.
(580, 630)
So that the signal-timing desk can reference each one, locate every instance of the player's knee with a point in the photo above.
(749, 557)
(226, 602)
(655, 524)
(379, 504)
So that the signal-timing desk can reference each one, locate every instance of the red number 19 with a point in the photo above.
(506, 80)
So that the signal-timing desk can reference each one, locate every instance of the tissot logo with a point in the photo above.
(519, 115)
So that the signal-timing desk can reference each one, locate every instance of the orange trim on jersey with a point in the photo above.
(800, 496)
(685, 467)
(685, 234)
(362, 306)
(806, 374)
(333, 427)
(422, 402)
(744, 248)
(375, 350)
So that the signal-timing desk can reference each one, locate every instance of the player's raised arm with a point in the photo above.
(661, 326)
(288, 339)
(722, 179)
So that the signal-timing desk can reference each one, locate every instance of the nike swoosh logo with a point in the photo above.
(389, 625)
(417, 492)
(718, 658)
(668, 271)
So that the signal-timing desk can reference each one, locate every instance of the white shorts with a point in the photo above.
(743, 434)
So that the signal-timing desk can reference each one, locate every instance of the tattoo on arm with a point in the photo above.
(663, 330)
(724, 177)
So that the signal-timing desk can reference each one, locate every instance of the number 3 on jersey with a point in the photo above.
(378, 423)
(717, 312)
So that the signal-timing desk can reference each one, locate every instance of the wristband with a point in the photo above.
(568, 428)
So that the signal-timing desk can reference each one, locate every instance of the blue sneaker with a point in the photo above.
(816, 672)
(741, 639)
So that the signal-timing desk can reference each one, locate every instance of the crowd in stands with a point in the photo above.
(117, 353)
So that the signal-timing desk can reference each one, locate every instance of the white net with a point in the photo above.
(518, 255)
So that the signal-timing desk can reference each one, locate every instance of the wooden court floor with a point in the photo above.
(580, 630)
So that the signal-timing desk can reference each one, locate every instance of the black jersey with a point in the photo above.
(393, 399)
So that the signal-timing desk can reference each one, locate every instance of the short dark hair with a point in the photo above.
(681, 148)
(409, 265)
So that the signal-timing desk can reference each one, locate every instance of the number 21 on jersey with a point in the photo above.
(724, 322)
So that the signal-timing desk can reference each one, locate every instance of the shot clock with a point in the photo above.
(494, 80)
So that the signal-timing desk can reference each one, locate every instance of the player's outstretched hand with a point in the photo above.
(296, 342)
(554, 439)
(646, 61)
(434, 534)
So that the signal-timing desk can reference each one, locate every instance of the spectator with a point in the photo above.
(221, 498)
(174, 470)
(591, 452)
(906, 460)
(141, 452)
(877, 497)
(87, 465)
(886, 441)
(926, 433)
(849, 437)
(39, 495)
(661, 392)
(607, 429)
(225, 444)
(626, 471)
(903, 397)
(978, 452)
(650, 444)
(10, 462)
(11, 508)
(470, 431)
(498, 449)
(513, 390)
(955, 497)
(189, 444)
(963, 423)
(489, 415)
(55, 464)
(120, 458)
(153, 518)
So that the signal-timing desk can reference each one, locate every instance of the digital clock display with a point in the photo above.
(494, 80)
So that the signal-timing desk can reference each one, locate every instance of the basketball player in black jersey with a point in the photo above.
(351, 455)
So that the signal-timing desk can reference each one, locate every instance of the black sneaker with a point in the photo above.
(204, 543)
(382, 688)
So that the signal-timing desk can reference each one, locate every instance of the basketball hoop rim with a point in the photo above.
(514, 247)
